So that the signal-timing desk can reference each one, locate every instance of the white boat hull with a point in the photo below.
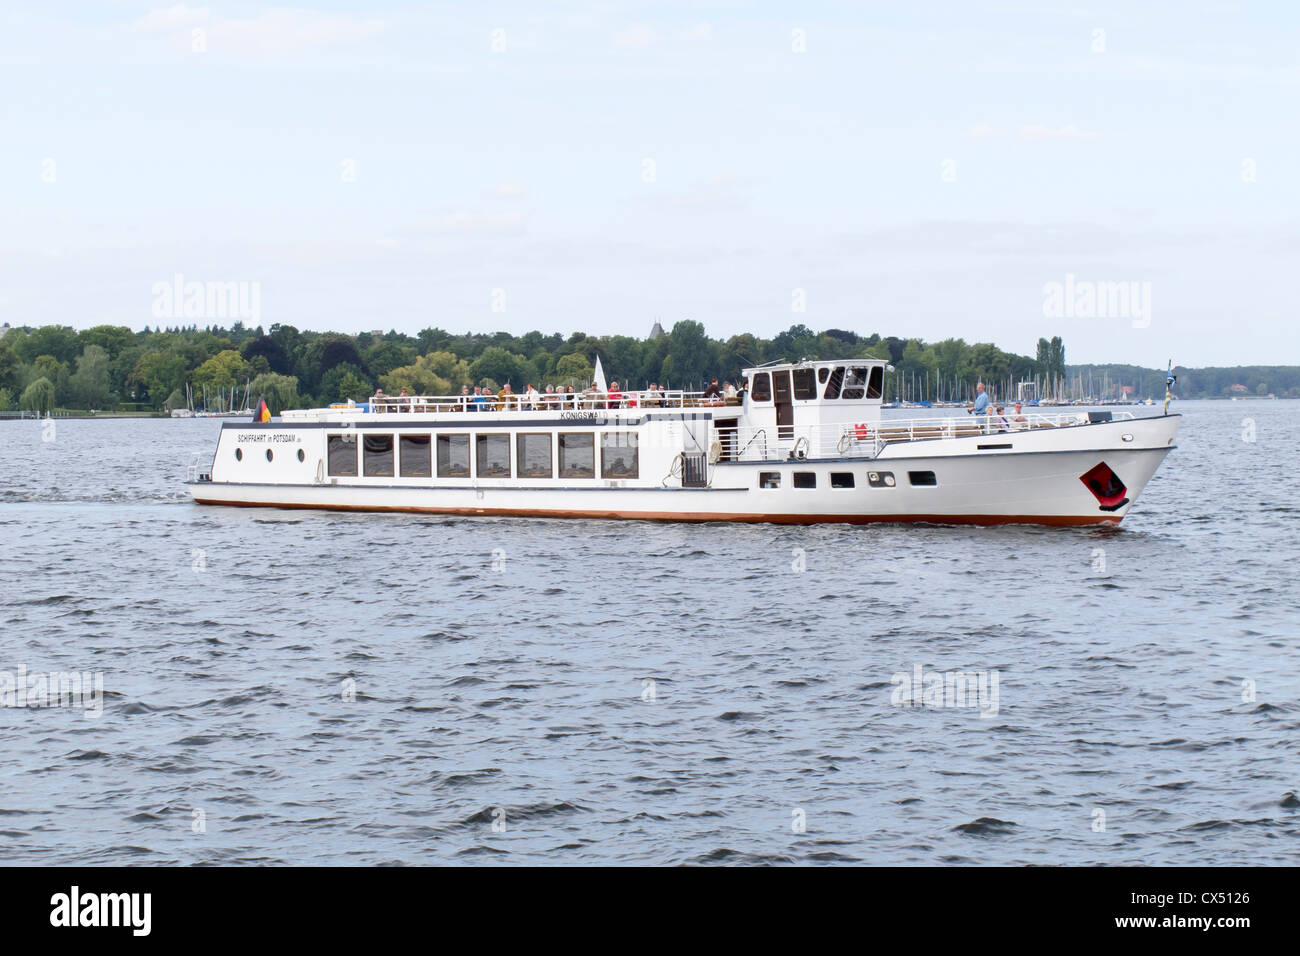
(1031, 477)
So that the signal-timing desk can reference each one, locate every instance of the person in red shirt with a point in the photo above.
(615, 396)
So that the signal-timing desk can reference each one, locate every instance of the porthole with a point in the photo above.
(302, 455)
(1126, 437)
(270, 456)
(239, 454)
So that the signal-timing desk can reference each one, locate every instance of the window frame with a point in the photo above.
(366, 439)
(337, 443)
(520, 457)
(449, 441)
(636, 455)
(561, 439)
(484, 441)
(415, 438)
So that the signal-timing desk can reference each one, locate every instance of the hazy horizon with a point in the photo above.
(946, 170)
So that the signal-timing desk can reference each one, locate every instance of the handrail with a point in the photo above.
(589, 400)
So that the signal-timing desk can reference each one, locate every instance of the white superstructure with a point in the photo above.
(804, 443)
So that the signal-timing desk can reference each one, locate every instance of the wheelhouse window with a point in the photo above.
(805, 384)
(762, 391)
(493, 454)
(414, 456)
(577, 455)
(855, 383)
(377, 456)
(618, 457)
(836, 383)
(534, 453)
(805, 479)
(343, 456)
(876, 387)
(453, 456)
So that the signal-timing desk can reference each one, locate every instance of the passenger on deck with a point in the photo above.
(651, 397)
(981, 406)
(507, 401)
(999, 420)
(712, 394)
(570, 397)
(531, 397)
(729, 391)
(1018, 420)
(614, 396)
(590, 398)
(480, 399)
(465, 399)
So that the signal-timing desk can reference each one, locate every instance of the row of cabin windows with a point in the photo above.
(844, 479)
(841, 382)
(418, 455)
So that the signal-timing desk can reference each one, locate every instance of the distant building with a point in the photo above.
(656, 331)
(1237, 388)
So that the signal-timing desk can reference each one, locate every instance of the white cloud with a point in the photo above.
(1039, 133)
(698, 33)
(981, 131)
(275, 32)
(636, 37)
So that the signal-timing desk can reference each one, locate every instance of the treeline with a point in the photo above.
(115, 368)
(1256, 381)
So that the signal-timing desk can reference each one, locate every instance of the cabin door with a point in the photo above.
(784, 405)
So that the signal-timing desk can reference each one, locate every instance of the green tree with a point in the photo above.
(500, 365)
(38, 397)
(574, 369)
(89, 386)
(280, 391)
(157, 374)
(222, 372)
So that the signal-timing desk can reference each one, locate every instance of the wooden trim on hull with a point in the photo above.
(698, 516)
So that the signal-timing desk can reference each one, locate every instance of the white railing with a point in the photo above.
(589, 400)
(200, 466)
(866, 439)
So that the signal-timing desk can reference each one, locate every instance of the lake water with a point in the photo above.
(534, 691)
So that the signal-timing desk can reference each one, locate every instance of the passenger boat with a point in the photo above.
(802, 443)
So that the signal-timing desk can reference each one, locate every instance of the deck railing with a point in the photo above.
(866, 439)
(540, 402)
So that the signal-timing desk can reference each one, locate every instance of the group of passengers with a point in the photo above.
(560, 397)
(996, 414)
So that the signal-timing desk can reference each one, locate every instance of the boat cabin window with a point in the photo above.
(855, 383)
(534, 453)
(876, 387)
(836, 383)
(762, 387)
(493, 453)
(618, 458)
(377, 456)
(805, 479)
(343, 455)
(414, 456)
(923, 478)
(453, 456)
(841, 479)
(822, 374)
(805, 384)
(769, 479)
(577, 455)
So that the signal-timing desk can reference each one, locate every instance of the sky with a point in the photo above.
(915, 169)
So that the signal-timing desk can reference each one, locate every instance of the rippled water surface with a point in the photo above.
(226, 639)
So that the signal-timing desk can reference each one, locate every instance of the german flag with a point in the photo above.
(263, 414)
